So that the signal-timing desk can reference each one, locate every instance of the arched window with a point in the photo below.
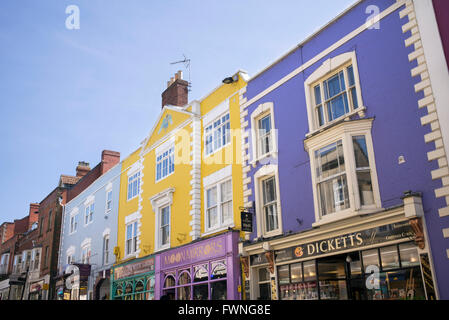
(118, 293)
(139, 290)
(129, 291)
(201, 273)
(184, 278)
(218, 270)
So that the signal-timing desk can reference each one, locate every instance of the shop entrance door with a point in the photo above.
(264, 284)
(333, 278)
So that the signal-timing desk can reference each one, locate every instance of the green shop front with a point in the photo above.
(133, 280)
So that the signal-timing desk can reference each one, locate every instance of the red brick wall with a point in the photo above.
(108, 160)
(9, 226)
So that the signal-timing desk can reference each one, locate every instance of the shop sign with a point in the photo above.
(207, 249)
(132, 269)
(258, 259)
(37, 286)
(247, 221)
(395, 231)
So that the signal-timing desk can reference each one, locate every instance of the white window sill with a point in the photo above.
(360, 110)
(215, 151)
(218, 229)
(272, 154)
(162, 248)
(271, 233)
(345, 214)
(130, 256)
(163, 178)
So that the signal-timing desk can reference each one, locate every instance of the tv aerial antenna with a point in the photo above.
(186, 63)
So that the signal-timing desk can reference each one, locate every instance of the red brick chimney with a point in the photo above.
(82, 169)
(108, 160)
(34, 214)
(177, 92)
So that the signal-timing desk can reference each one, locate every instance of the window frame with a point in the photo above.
(134, 176)
(261, 112)
(108, 201)
(221, 223)
(89, 215)
(134, 238)
(170, 158)
(345, 132)
(106, 244)
(159, 201)
(161, 245)
(264, 173)
(326, 71)
(223, 134)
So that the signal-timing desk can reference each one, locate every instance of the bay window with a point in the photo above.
(343, 171)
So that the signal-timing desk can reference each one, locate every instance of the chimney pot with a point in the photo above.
(82, 169)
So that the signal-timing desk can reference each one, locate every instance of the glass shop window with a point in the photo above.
(184, 281)
(139, 292)
(201, 273)
(389, 257)
(283, 275)
(296, 272)
(201, 291)
(218, 270)
(370, 258)
(409, 255)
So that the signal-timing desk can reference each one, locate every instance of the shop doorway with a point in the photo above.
(263, 290)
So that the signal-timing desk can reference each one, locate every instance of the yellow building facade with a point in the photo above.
(180, 194)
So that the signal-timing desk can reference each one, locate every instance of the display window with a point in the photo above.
(386, 273)
(135, 288)
(206, 281)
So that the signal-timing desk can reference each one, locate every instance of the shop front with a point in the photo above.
(4, 289)
(382, 262)
(206, 270)
(36, 290)
(133, 280)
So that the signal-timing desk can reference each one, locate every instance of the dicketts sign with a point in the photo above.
(354, 240)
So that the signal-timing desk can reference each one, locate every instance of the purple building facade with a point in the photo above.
(343, 166)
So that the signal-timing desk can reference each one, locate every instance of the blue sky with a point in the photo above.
(66, 95)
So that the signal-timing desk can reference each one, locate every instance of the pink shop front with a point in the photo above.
(207, 269)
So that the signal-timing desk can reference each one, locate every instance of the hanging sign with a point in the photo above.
(247, 221)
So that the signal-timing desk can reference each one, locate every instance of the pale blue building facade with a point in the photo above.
(88, 238)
